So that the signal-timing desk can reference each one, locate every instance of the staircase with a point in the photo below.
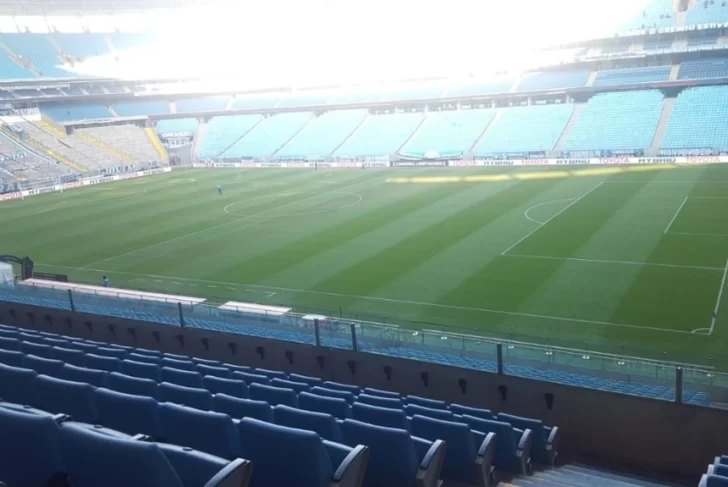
(673, 72)
(485, 130)
(36, 147)
(19, 61)
(105, 147)
(681, 16)
(569, 126)
(417, 129)
(308, 122)
(112, 111)
(356, 129)
(592, 77)
(161, 151)
(661, 127)
(197, 140)
(51, 127)
(581, 476)
(243, 135)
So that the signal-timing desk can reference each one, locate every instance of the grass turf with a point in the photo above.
(579, 257)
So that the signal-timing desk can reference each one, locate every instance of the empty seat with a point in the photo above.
(426, 402)
(231, 387)
(111, 352)
(140, 369)
(238, 408)
(445, 415)
(37, 349)
(311, 381)
(239, 368)
(99, 362)
(342, 387)
(147, 359)
(392, 418)
(251, 378)
(287, 456)
(477, 412)
(470, 454)
(199, 469)
(75, 399)
(42, 365)
(513, 446)
(207, 431)
(381, 393)
(128, 413)
(53, 342)
(177, 364)
(132, 385)
(396, 459)
(713, 480)
(273, 395)
(175, 356)
(273, 374)
(324, 391)
(82, 346)
(336, 407)
(11, 357)
(384, 402)
(180, 377)
(8, 343)
(545, 439)
(30, 451)
(16, 384)
(214, 371)
(296, 386)
(187, 396)
(69, 356)
(322, 423)
(94, 377)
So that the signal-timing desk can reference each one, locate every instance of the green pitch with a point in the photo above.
(625, 260)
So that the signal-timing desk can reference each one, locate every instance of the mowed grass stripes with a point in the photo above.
(620, 259)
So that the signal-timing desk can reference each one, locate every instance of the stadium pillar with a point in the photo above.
(354, 344)
(499, 355)
(70, 300)
(678, 385)
(317, 332)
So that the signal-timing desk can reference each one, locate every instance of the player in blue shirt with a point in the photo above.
(219, 189)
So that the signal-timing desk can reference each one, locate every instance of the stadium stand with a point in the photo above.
(141, 108)
(449, 132)
(222, 132)
(656, 14)
(305, 99)
(38, 51)
(129, 140)
(706, 12)
(177, 125)
(269, 135)
(553, 80)
(323, 134)
(82, 46)
(381, 135)
(704, 68)
(420, 91)
(473, 88)
(255, 102)
(632, 75)
(12, 69)
(202, 104)
(699, 119)
(68, 113)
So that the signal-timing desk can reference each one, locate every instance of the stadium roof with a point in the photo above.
(71, 7)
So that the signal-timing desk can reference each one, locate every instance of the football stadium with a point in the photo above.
(238, 241)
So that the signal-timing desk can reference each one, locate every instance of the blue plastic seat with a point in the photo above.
(82, 346)
(143, 370)
(513, 446)
(99, 362)
(11, 357)
(231, 387)
(175, 356)
(545, 439)
(336, 407)
(470, 454)
(177, 364)
(381, 393)
(16, 384)
(210, 432)
(382, 402)
(199, 469)
(205, 361)
(53, 341)
(324, 391)
(132, 385)
(128, 413)
(272, 374)
(311, 381)
(712, 480)
(288, 456)
(287, 384)
(37, 349)
(181, 377)
(391, 418)
(144, 358)
(426, 402)
(273, 395)
(186, 396)
(249, 378)
(338, 386)
(30, 449)
(222, 372)
(8, 343)
(477, 412)
(445, 415)
(396, 459)
(59, 396)
(42, 365)
(111, 352)
(94, 377)
(238, 408)
(70, 356)
(322, 423)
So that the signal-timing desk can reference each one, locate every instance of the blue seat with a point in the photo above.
(11, 357)
(513, 446)
(42, 365)
(287, 456)
(239, 368)
(144, 358)
(392, 418)
(99, 362)
(231, 387)
(311, 381)
(272, 374)
(337, 386)
(211, 363)
(222, 372)
(82, 346)
(111, 352)
(477, 412)
(186, 396)
(336, 407)
(249, 378)
(470, 454)
(324, 391)
(382, 402)
(177, 364)
(143, 370)
(273, 395)
(210, 432)
(16, 384)
(238, 408)
(53, 341)
(426, 402)
(174, 356)
(396, 459)
(132, 385)
(381, 393)
(93, 459)
(322, 423)
(30, 449)
(296, 386)
(199, 469)
(128, 413)
(7, 343)
(94, 377)
(545, 439)
(69, 356)
(443, 414)
(712, 480)
(181, 377)
(37, 349)
(59, 396)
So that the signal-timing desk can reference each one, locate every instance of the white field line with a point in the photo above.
(624, 262)
(219, 225)
(717, 301)
(709, 197)
(674, 217)
(575, 201)
(387, 300)
(538, 205)
(700, 234)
